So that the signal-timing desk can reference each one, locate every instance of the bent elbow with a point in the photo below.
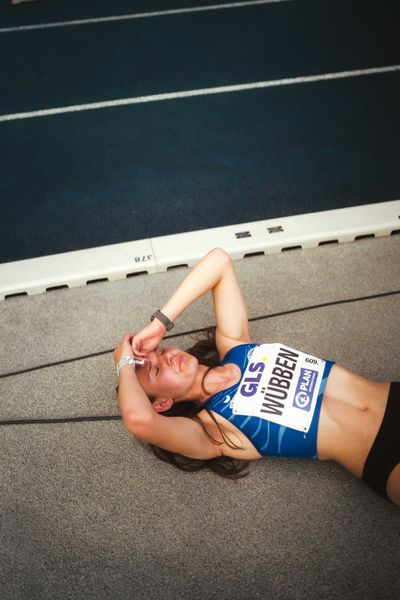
(221, 253)
(136, 424)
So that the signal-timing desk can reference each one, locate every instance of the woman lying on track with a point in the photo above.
(227, 400)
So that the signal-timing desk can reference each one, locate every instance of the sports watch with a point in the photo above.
(163, 318)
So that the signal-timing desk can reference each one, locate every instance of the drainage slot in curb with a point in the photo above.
(7, 296)
(250, 254)
(176, 267)
(291, 248)
(364, 237)
(328, 242)
(96, 280)
(137, 273)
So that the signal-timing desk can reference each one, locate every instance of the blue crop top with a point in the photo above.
(271, 438)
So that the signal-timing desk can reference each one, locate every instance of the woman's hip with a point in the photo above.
(384, 454)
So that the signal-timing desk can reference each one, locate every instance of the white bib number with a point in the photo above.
(280, 385)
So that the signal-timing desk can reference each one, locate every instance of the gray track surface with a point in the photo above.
(88, 512)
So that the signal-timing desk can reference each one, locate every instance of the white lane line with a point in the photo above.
(144, 15)
(199, 92)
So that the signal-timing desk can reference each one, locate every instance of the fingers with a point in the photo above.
(136, 344)
(143, 342)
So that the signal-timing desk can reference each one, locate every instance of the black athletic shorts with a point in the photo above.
(385, 452)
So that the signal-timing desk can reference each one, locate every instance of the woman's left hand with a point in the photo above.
(148, 339)
(124, 349)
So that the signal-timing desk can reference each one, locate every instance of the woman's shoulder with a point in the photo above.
(237, 351)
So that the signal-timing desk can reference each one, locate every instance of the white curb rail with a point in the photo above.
(118, 261)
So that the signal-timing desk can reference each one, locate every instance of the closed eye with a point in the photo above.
(157, 369)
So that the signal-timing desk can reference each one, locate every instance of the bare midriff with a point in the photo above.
(351, 413)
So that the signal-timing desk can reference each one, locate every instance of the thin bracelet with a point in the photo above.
(125, 360)
(128, 359)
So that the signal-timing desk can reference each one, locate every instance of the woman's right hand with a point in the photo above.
(148, 339)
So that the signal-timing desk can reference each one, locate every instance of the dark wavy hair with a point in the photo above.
(205, 350)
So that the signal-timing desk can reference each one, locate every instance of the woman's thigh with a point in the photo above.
(393, 485)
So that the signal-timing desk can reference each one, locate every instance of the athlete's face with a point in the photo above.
(168, 372)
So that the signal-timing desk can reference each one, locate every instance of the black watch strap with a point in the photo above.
(164, 319)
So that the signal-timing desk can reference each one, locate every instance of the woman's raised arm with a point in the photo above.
(176, 434)
(213, 272)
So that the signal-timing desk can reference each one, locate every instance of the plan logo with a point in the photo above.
(305, 389)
